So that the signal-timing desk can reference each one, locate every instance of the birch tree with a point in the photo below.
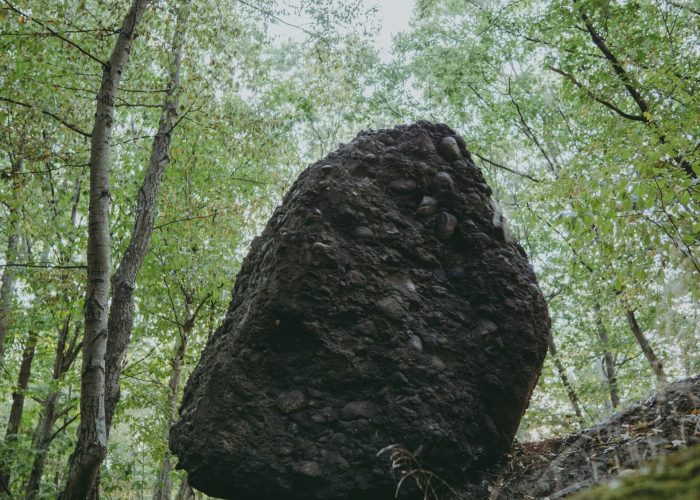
(91, 447)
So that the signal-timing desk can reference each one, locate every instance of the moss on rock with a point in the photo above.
(675, 476)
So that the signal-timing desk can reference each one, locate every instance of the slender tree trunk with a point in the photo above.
(42, 440)
(163, 487)
(608, 361)
(121, 319)
(91, 447)
(17, 408)
(571, 393)
(67, 350)
(185, 492)
(648, 351)
(7, 283)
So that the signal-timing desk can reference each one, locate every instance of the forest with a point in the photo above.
(145, 143)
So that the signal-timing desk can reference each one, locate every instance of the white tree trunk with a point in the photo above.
(91, 447)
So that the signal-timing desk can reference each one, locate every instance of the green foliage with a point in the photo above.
(584, 117)
(595, 177)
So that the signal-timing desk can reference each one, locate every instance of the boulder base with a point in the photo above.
(385, 303)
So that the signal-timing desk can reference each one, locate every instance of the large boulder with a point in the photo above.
(385, 303)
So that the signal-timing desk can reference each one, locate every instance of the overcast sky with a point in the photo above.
(393, 17)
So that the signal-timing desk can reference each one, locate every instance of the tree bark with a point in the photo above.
(91, 447)
(7, 283)
(67, 350)
(608, 361)
(42, 439)
(121, 319)
(185, 491)
(163, 487)
(648, 351)
(162, 490)
(17, 408)
(571, 393)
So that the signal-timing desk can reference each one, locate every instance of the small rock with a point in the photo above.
(392, 306)
(449, 149)
(390, 229)
(423, 142)
(336, 459)
(428, 206)
(437, 363)
(324, 253)
(425, 256)
(403, 186)
(357, 409)
(362, 233)
(445, 225)
(442, 182)
(288, 402)
(338, 439)
(326, 169)
(356, 278)
(314, 215)
(416, 343)
(308, 468)
(486, 327)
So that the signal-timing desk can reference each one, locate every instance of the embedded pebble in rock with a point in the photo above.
(357, 409)
(442, 182)
(289, 401)
(403, 185)
(365, 316)
(428, 206)
(449, 149)
(416, 343)
(362, 233)
(445, 225)
(308, 468)
(437, 363)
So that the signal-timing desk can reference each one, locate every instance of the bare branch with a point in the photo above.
(43, 265)
(607, 104)
(683, 6)
(507, 169)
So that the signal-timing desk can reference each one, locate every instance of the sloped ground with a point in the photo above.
(657, 426)
(669, 477)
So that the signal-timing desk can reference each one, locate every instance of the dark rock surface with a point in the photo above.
(385, 303)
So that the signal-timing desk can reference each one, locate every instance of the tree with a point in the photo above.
(92, 436)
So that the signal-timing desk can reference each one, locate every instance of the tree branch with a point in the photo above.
(682, 6)
(60, 120)
(43, 265)
(55, 33)
(609, 105)
(616, 66)
(507, 169)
